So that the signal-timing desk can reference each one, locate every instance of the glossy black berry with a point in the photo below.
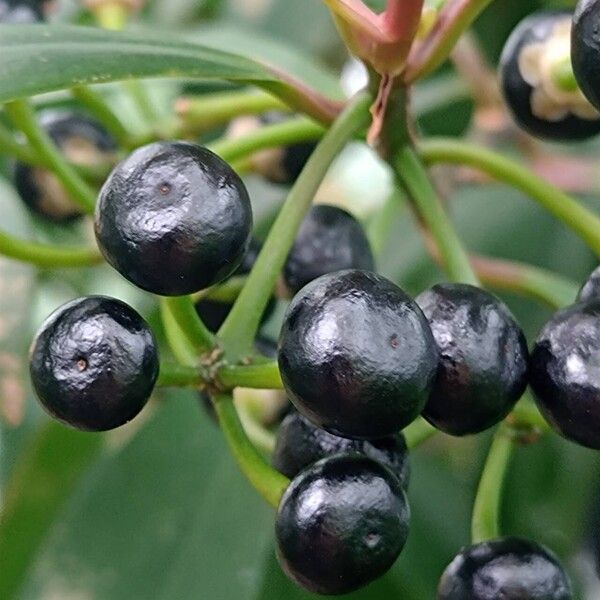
(214, 313)
(330, 239)
(300, 444)
(83, 141)
(590, 290)
(173, 218)
(482, 370)
(341, 524)
(356, 355)
(94, 363)
(585, 49)
(507, 569)
(537, 103)
(21, 11)
(564, 372)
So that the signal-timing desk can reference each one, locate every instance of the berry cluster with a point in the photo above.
(359, 359)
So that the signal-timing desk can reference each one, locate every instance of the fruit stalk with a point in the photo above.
(291, 131)
(414, 178)
(183, 311)
(453, 19)
(485, 523)
(23, 116)
(578, 218)
(100, 109)
(268, 482)
(47, 256)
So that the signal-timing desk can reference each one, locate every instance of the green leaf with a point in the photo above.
(42, 480)
(39, 58)
(168, 516)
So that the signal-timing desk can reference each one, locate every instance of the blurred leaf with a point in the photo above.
(168, 516)
(17, 286)
(42, 480)
(38, 59)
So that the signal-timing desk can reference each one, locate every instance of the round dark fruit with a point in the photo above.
(585, 49)
(564, 372)
(356, 355)
(300, 444)
(94, 363)
(590, 290)
(173, 218)
(83, 141)
(482, 370)
(213, 313)
(341, 524)
(21, 11)
(507, 569)
(527, 65)
(330, 239)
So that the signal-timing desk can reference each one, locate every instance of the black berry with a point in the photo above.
(356, 355)
(83, 141)
(585, 49)
(214, 313)
(590, 290)
(507, 569)
(564, 372)
(341, 524)
(329, 239)
(537, 103)
(174, 218)
(94, 363)
(300, 444)
(483, 358)
(21, 11)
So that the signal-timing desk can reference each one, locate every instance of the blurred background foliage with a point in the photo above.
(157, 510)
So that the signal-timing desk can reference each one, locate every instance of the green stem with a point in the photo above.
(260, 376)
(455, 17)
(239, 329)
(181, 346)
(225, 292)
(418, 432)
(581, 220)
(10, 147)
(141, 100)
(382, 221)
(268, 482)
(526, 415)
(24, 117)
(184, 313)
(412, 174)
(543, 285)
(486, 511)
(199, 113)
(45, 255)
(263, 439)
(280, 134)
(100, 109)
(176, 375)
